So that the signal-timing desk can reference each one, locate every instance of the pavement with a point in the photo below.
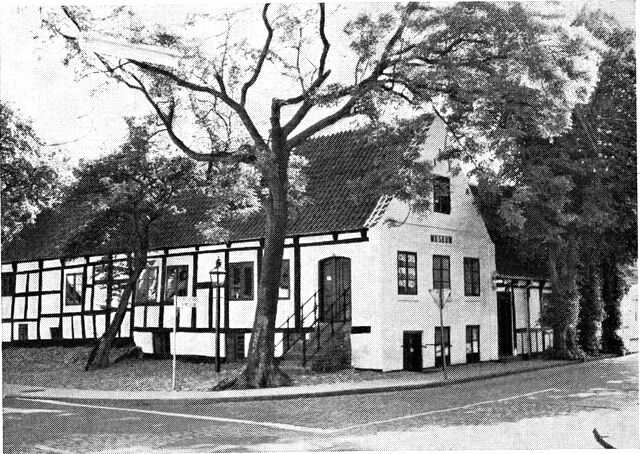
(456, 374)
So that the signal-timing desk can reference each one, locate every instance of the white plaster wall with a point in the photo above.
(51, 280)
(6, 306)
(46, 324)
(6, 332)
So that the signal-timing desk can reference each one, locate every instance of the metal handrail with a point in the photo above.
(288, 320)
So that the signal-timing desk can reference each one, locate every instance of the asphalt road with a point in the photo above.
(555, 408)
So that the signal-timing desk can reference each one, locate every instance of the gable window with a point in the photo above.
(471, 276)
(73, 289)
(285, 281)
(441, 271)
(473, 343)
(240, 278)
(407, 273)
(8, 284)
(148, 285)
(441, 195)
(176, 281)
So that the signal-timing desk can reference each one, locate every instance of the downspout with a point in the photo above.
(528, 287)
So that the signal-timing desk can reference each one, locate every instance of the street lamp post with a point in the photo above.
(215, 275)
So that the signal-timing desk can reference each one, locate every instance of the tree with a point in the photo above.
(492, 72)
(126, 193)
(572, 202)
(31, 176)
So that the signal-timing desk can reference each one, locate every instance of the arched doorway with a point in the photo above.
(335, 289)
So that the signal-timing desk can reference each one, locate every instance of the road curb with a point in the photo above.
(309, 393)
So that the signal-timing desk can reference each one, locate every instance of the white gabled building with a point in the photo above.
(343, 262)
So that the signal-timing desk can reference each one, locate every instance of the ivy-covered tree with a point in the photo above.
(492, 71)
(30, 175)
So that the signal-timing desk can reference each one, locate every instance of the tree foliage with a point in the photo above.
(493, 72)
(31, 176)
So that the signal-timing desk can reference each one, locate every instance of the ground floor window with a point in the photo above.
(473, 343)
(447, 345)
(22, 332)
(235, 347)
(240, 281)
(162, 343)
(73, 289)
(56, 333)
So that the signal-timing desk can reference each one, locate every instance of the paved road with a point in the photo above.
(555, 408)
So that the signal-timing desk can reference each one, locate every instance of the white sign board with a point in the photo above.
(187, 301)
(446, 295)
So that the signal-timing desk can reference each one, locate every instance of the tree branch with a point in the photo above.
(341, 113)
(263, 56)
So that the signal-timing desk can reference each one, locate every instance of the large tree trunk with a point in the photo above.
(261, 370)
(99, 356)
(561, 310)
(613, 289)
(590, 317)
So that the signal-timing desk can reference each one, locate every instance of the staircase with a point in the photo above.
(324, 345)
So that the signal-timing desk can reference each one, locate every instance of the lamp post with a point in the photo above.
(215, 275)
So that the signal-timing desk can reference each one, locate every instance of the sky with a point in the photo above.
(70, 116)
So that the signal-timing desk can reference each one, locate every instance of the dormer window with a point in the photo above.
(441, 195)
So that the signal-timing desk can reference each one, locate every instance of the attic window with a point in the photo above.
(441, 195)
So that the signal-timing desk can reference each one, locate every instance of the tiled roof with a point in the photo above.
(338, 201)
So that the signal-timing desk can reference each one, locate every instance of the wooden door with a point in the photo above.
(412, 350)
(335, 289)
(505, 325)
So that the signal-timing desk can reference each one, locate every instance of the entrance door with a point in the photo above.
(505, 324)
(412, 350)
(335, 289)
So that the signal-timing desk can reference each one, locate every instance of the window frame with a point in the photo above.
(442, 194)
(438, 272)
(169, 298)
(242, 295)
(145, 274)
(67, 286)
(283, 281)
(8, 288)
(473, 356)
(471, 276)
(406, 289)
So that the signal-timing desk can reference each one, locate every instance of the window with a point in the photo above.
(447, 345)
(285, 281)
(471, 277)
(441, 195)
(148, 285)
(240, 281)
(22, 332)
(176, 281)
(441, 272)
(473, 343)
(56, 333)
(8, 284)
(73, 289)
(407, 273)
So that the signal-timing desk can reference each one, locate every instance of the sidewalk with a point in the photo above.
(456, 374)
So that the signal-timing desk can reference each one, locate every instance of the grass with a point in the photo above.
(63, 367)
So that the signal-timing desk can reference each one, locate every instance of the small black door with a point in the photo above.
(505, 325)
(335, 289)
(412, 348)
(162, 344)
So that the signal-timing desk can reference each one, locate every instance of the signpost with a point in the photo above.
(438, 296)
(183, 301)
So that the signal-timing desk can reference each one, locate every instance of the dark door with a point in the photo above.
(335, 289)
(505, 325)
(412, 348)
(162, 343)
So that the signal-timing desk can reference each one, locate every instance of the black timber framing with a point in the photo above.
(40, 265)
(62, 282)
(14, 267)
(84, 296)
(109, 261)
(194, 286)
(163, 288)
(226, 288)
(132, 310)
(297, 292)
(26, 298)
